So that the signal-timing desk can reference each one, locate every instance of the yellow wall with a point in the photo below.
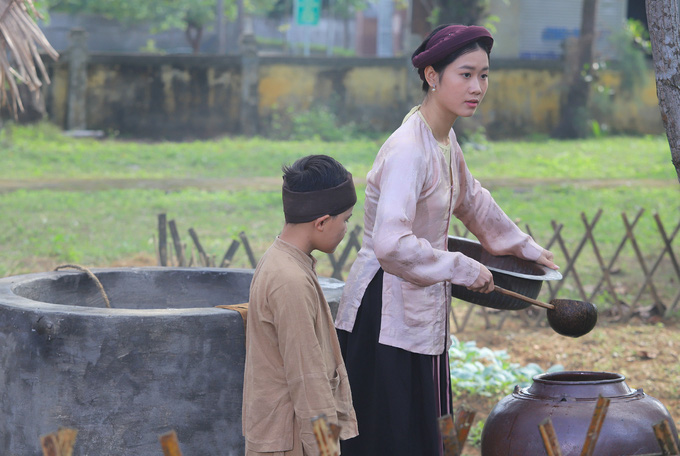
(178, 95)
(519, 101)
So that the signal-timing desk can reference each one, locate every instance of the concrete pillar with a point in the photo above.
(76, 118)
(221, 28)
(250, 64)
(384, 38)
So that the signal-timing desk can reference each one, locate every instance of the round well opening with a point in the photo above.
(141, 288)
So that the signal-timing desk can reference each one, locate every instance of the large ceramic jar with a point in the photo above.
(568, 399)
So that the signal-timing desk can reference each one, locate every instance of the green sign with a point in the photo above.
(308, 12)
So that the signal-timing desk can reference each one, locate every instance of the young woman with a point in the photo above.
(393, 318)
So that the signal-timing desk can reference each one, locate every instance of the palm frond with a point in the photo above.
(20, 60)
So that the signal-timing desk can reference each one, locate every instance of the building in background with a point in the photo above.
(538, 29)
(526, 29)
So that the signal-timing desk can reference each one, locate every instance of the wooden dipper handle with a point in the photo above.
(524, 298)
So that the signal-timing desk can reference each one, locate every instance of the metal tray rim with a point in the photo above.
(550, 274)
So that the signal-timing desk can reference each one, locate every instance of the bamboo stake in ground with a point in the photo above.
(664, 436)
(326, 436)
(170, 444)
(59, 443)
(552, 445)
(449, 437)
(593, 434)
(455, 434)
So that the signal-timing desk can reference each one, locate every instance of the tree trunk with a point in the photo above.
(193, 34)
(664, 29)
(574, 105)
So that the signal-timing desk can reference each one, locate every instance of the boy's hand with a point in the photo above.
(546, 259)
(484, 281)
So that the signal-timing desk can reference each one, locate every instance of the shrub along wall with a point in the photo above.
(180, 96)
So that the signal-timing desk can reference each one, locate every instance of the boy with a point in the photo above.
(294, 369)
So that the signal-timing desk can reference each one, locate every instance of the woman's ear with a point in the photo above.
(320, 223)
(430, 76)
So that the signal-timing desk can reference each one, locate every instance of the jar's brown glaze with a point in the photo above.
(568, 399)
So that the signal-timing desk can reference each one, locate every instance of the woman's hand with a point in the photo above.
(484, 281)
(546, 259)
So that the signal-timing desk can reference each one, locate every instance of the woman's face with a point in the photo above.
(463, 83)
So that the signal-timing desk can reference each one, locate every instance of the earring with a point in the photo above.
(434, 88)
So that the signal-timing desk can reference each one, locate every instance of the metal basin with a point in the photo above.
(163, 358)
(512, 273)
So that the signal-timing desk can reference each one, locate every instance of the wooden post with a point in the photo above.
(162, 240)
(204, 257)
(249, 251)
(229, 255)
(179, 248)
(353, 243)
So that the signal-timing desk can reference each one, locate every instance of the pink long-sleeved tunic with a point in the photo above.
(412, 191)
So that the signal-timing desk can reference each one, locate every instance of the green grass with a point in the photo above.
(40, 228)
(605, 158)
(44, 153)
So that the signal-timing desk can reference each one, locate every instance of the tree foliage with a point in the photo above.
(190, 15)
(573, 121)
(163, 14)
(466, 12)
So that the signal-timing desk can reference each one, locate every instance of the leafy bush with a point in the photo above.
(316, 123)
(486, 372)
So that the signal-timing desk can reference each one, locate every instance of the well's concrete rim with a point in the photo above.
(10, 300)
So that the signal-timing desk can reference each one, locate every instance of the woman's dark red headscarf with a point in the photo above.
(446, 41)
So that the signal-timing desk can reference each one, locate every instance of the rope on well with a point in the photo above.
(91, 275)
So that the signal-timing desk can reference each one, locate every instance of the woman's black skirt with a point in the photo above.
(397, 395)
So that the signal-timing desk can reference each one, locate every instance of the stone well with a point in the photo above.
(162, 358)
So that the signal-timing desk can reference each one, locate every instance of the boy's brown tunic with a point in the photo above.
(294, 368)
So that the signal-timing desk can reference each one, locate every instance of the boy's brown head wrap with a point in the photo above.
(302, 207)
(446, 41)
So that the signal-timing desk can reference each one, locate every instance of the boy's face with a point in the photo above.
(333, 232)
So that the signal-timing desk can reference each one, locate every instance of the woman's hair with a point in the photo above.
(314, 172)
(442, 64)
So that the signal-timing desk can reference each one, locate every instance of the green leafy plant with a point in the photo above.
(318, 122)
(632, 48)
(475, 436)
(486, 372)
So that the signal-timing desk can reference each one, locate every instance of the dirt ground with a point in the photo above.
(647, 355)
